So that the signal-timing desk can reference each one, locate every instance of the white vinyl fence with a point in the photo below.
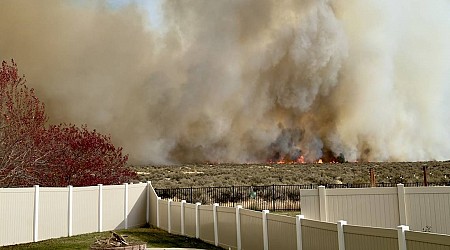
(33, 214)
(237, 228)
(38, 213)
(421, 208)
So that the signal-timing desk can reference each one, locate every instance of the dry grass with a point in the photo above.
(201, 175)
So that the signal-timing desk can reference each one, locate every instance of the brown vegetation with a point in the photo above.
(197, 175)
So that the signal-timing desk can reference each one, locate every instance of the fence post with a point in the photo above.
(147, 214)
(157, 211)
(401, 237)
(100, 207)
(36, 214)
(323, 203)
(425, 181)
(216, 225)
(70, 213)
(169, 216)
(372, 177)
(340, 231)
(401, 204)
(273, 197)
(234, 196)
(298, 226)
(183, 203)
(197, 220)
(125, 206)
(238, 227)
(265, 231)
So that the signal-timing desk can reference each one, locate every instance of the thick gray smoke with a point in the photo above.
(243, 81)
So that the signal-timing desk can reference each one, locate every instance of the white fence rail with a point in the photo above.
(33, 214)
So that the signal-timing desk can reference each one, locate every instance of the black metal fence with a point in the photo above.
(273, 197)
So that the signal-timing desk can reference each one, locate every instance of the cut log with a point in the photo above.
(119, 238)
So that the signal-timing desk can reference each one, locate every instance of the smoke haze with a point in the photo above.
(243, 81)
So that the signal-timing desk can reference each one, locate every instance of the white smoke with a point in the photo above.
(240, 81)
(397, 78)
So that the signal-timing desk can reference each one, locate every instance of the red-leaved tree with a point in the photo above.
(31, 153)
(80, 157)
(22, 118)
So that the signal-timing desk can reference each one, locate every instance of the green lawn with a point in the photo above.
(287, 213)
(152, 236)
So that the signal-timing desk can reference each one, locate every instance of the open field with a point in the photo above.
(200, 175)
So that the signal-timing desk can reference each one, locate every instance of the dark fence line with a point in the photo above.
(273, 197)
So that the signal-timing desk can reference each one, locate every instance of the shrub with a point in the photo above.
(80, 157)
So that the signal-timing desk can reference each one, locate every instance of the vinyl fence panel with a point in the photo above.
(189, 217)
(175, 218)
(310, 205)
(85, 210)
(113, 207)
(153, 201)
(206, 223)
(319, 235)
(226, 219)
(377, 207)
(368, 238)
(137, 205)
(53, 212)
(426, 241)
(251, 229)
(428, 209)
(16, 215)
(281, 232)
(163, 215)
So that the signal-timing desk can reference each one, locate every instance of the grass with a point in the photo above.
(287, 213)
(152, 236)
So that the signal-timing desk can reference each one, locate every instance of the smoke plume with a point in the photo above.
(243, 81)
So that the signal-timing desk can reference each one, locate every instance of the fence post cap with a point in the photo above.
(216, 204)
(342, 222)
(159, 198)
(169, 200)
(300, 216)
(266, 211)
(239, 206)
(400, 185)
(183, 201)
(99, 185)
(198, 203)
(403, 228)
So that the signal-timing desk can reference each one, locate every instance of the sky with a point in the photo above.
(153, 8)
